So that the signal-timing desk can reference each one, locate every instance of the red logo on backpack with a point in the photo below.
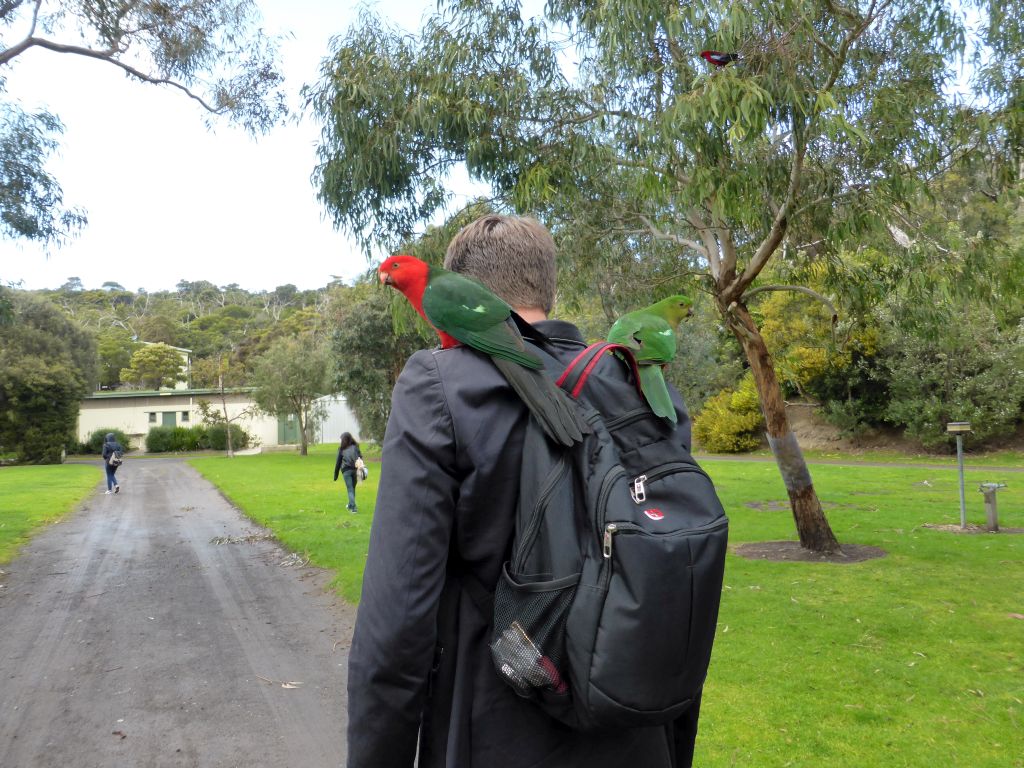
(654, 514)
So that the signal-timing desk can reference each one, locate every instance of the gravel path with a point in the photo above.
(159, 627)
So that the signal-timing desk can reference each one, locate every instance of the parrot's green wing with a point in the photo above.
(650, 337)
(469, 312)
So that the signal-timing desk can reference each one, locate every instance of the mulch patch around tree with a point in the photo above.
(791, 551)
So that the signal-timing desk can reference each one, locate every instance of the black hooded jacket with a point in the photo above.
(420, 673)
(110, 445)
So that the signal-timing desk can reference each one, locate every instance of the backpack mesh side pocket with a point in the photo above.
(528, 644)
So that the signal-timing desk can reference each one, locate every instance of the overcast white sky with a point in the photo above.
(168, 199)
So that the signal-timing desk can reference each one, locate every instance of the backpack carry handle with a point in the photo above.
(575, 376)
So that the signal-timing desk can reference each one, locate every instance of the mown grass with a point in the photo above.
(1002, 458)
(296, 497)
(914, 659)
(32, 496)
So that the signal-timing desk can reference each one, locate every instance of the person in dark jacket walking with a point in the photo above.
(348, 453)
(421, 677)
(111, 448)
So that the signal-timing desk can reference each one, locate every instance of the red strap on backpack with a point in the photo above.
(575, 376)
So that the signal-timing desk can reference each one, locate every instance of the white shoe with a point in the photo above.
(106, 493)
(117, 489)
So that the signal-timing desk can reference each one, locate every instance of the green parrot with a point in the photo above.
(463, 311)
(651, 334)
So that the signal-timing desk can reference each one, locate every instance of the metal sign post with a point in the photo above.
(959, 427)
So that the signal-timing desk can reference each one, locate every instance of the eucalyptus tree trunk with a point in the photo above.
(811, 524)
(227, 421)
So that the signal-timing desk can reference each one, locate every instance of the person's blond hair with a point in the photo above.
(513, 256)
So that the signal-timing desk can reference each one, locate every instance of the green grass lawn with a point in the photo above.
(915, 659)
(32, 496)
(1003, 458)
(296, 497)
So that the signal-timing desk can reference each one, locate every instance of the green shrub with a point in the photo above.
(160, 439)
(217, 437)
(974, 372)
(177, 439)
(94, 443)
(731, 421)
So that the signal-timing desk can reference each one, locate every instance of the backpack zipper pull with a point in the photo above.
(609, 531)
(638, 491)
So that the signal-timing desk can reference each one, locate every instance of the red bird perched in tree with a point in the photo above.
(718, 58)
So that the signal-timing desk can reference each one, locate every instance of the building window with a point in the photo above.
(184, 415)
(152, 417)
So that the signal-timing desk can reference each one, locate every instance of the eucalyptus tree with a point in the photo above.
(604, 120)
(289, 379)
(212, 51)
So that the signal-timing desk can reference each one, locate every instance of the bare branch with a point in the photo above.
(108, 56)
(672, 238)
(799, 289)
(727, 246)
(696, 220)
(778, 229)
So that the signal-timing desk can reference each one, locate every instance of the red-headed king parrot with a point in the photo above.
(463, 311)
(651, 334)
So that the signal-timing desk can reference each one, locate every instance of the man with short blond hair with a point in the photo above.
(421, 679)
(514, 257)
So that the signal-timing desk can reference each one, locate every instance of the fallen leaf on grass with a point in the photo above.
(1016, 615)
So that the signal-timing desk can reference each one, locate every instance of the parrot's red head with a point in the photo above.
(406, 273)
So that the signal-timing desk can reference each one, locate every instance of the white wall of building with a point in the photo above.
(339, 419)
(136, 413)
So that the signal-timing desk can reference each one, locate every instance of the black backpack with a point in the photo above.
(605, 613)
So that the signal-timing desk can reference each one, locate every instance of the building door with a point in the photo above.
(287, 430)
(168, 418)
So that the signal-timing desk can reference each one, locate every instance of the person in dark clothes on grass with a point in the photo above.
(348, 454)
(421, 679)
(111, 448)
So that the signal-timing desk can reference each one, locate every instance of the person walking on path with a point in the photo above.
(421, 678)
(348, 455)
(113, 452)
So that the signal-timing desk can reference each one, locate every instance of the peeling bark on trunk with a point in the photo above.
(811, 524)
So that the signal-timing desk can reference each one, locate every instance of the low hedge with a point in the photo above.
(197, 438)
(94, 443)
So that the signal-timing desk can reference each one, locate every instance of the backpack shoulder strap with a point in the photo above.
(575, 376)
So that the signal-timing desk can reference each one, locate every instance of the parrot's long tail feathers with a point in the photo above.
(652, 382)
(550, 405)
